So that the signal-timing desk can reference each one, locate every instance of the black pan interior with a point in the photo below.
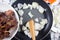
(48, 15)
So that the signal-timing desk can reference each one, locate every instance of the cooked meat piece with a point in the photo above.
(2, 14)
(6, 33)
(1, 36)
(7, 21)
(9, 13)
(2, 27)
(7, 27)
(14, 22)
(0, 32)
(1, 19)
(3, 23)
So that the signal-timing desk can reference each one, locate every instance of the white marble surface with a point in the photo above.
(7, 1)
(54, 35)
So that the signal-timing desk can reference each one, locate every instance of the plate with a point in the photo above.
(13, 31)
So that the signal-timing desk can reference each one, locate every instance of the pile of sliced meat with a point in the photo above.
(7, 21)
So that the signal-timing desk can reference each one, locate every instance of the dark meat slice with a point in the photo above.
(0, 26)
(2, 14)
(3, 23)
(1, 19)
(6, 33)
(0, 32)
(7, 27)
(1, 36)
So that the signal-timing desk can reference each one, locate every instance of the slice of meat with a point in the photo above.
(1, 36)
(6, 33)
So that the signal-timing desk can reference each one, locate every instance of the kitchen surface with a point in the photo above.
(54, 33)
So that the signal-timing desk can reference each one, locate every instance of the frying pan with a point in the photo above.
(47, 14)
